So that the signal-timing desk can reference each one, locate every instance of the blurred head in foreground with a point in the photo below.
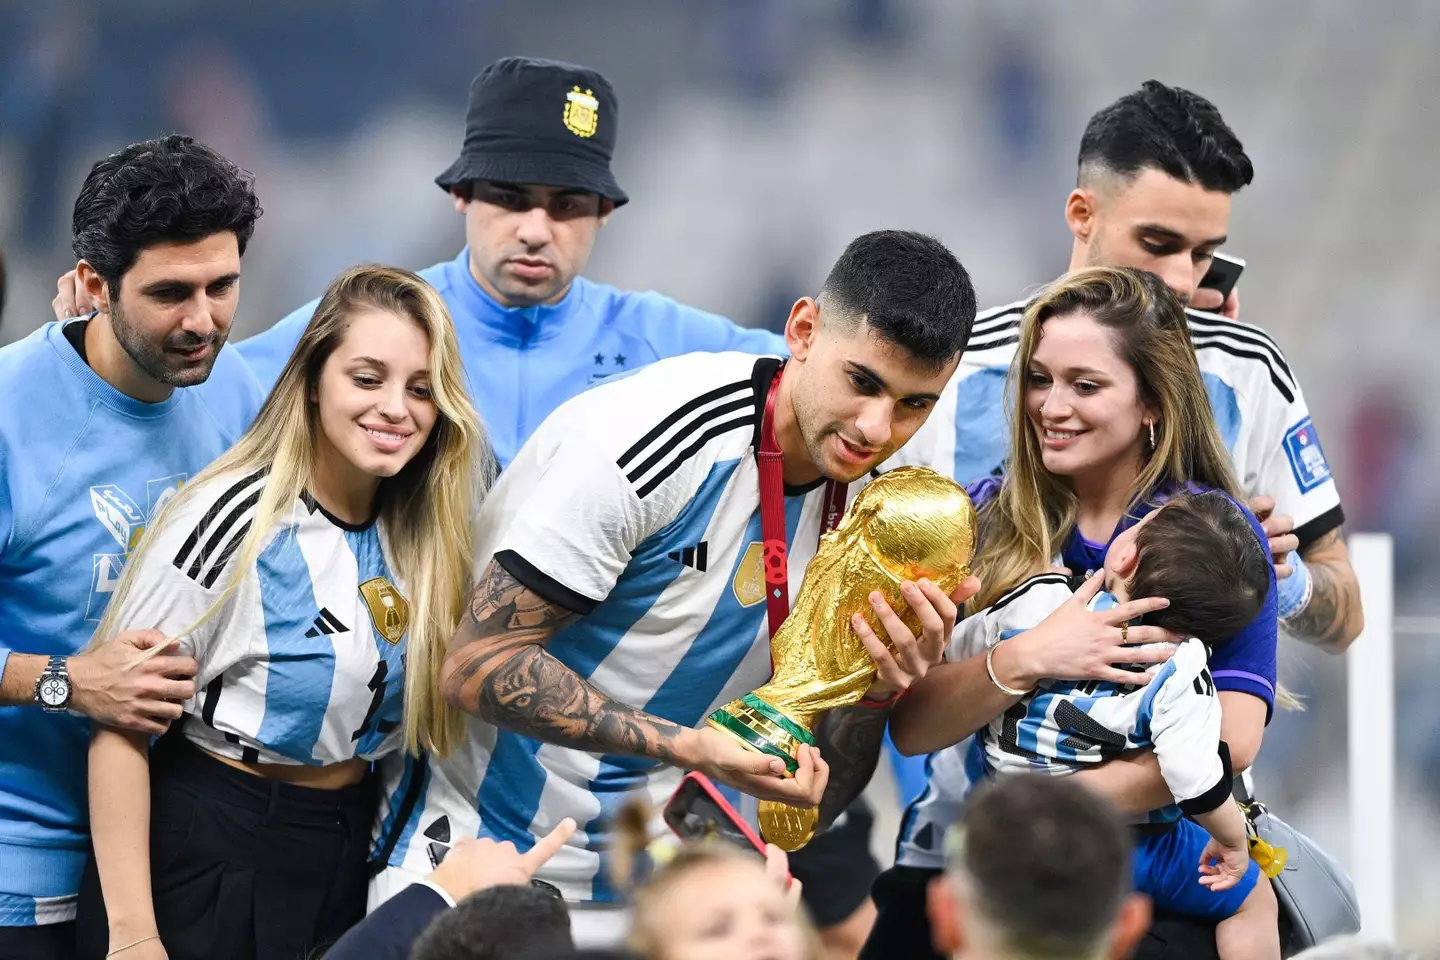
(1040, 870)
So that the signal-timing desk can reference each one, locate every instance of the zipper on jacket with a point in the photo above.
(523, 386)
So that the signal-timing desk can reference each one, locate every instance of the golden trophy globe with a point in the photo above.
(907, 524)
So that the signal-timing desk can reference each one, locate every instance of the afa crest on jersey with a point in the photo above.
(1307, 459)
(389, 611)
(582, 112)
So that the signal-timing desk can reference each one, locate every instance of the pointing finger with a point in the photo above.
(548, 845)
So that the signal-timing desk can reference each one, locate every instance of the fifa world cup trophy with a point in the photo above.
(907, 524)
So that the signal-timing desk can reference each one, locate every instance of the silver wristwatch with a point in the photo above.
(52, 690)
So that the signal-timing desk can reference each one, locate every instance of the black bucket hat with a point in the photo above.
(539, 121)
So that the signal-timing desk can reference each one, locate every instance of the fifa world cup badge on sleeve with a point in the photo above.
(908, 524)
(1307, 459)
(389, 611)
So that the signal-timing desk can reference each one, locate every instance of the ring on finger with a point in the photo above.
(1124, 633)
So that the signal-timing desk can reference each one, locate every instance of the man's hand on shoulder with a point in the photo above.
(1279, 529)
(71, 297)
(135, 682)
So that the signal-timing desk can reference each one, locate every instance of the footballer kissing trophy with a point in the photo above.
(907, 524)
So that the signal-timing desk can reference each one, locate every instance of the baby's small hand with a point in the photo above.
(1222, 867)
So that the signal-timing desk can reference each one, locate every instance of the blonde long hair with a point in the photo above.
(426, 509)
(1028, 522)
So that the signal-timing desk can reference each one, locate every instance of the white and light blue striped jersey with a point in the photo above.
(305, 661)
(1256, 399)
(1065, 725)
(636, 504)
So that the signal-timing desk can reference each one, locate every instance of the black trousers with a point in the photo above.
(902, 927)
(55, 941)
(243, 868)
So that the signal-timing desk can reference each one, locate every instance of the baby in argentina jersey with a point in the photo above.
(1061, 726)
(305, 661)
(1064, 725)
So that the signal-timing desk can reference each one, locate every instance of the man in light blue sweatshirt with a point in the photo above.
(104, 417)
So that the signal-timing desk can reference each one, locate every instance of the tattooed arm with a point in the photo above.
(498, 670)
(849, 739)
(1333, 617)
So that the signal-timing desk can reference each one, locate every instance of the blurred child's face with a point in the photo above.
(724, 911)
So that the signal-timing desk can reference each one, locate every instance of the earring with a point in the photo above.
(1151, 425)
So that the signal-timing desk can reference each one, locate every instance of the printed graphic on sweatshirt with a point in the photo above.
(121, 514)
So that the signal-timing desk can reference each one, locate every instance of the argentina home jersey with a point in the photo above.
(1256, 399)
(636, 504)
(1064, 725)
(305, 662)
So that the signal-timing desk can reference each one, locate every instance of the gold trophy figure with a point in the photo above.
(907, 524)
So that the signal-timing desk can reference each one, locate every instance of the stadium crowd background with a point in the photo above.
(760, 136)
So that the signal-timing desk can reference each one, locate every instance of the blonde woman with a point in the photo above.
(315, 571)
(1109, 418)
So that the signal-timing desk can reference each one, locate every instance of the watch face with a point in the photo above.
(54, 691)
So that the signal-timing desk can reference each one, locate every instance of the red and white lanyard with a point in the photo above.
(772, 512)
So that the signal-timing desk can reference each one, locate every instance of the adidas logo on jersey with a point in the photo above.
(327, 623)
(696, 556)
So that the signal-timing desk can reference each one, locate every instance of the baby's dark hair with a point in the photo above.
(1200, 552)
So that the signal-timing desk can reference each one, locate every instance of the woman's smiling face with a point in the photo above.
(1083, 399)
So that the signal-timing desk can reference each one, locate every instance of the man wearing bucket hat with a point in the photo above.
(533, 182)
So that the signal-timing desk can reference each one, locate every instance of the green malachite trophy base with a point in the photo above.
(760, 727)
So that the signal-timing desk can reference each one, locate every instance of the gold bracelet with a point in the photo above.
(990, 669)
(153, 936)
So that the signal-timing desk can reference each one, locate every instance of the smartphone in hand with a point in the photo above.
(1223, 274)
(698, 811)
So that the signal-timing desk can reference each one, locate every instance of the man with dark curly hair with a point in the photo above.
(105, 416)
